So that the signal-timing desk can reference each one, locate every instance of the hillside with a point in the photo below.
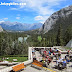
(63, 17)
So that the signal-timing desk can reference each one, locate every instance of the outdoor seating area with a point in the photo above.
(43, 59)
(53, 56)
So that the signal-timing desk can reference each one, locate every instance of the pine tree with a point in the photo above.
(59, 37)
(68, 34)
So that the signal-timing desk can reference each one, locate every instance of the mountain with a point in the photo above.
(16, 26)
(35, 26)
(1, 29)
(63, 17)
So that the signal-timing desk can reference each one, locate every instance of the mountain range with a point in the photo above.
(17, 26)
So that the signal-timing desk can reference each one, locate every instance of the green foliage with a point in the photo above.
(59, 37)
(39, 38)
(68, 34)
(65, 34)
(9, 44)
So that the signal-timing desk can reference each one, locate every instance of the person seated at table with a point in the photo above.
(60, 58)
(53, 50)
(64, 63)
(42, 59)
(49, 53)
(68, 52)
(44, 62)
(50, 50)
(56, 50)
(47, 56)
(57, 61)
(68, 60)
(42, 50)
(54, 54)
(59, 53)
(34, 56)
(66, 56)
(45, 52)
(49, 60)
(51, 57)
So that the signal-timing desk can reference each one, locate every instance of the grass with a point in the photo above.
(19, 59)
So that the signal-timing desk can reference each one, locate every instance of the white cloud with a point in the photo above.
(43, 8)
(13, 9)
(18, 18)
(41, 18)
(1, 21)
(5, 18)
(42, 22)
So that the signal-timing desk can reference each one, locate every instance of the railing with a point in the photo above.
(30, 60)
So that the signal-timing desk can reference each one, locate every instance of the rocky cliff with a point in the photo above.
(62, 16)
(1, 29)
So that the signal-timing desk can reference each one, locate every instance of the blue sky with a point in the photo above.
(33, 12)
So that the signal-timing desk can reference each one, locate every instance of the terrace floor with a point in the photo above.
(1, 67)
(32, 69)
(50, 68)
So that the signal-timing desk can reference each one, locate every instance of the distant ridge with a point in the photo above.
(17, 26)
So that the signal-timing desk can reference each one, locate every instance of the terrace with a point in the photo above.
(34, 68)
